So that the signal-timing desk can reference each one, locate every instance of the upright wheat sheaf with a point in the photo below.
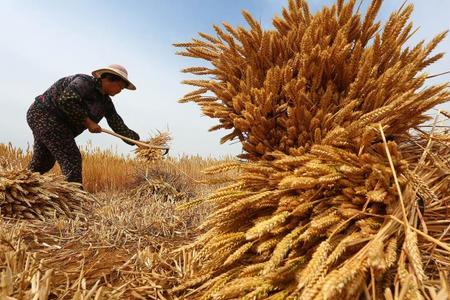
(335, 185)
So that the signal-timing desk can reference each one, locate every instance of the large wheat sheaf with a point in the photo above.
(28, 195)
(339, 194)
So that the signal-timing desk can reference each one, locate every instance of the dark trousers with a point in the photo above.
(53, 141)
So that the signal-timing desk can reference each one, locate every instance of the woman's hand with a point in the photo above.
(92, 126)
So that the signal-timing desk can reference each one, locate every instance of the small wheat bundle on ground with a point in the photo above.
(171, 187)
(28, 195)
(150, 155)
(150, 174)
(339, 196)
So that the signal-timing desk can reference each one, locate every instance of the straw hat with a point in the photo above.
(116, 70)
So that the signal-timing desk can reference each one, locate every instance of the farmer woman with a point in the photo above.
(66, 109)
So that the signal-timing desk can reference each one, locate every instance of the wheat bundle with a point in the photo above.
(158, 186)
(149, 154)
(28, 195)
(339, 197)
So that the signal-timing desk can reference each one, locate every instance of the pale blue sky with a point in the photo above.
(45, 40)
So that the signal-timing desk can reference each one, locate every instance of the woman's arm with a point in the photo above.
(116, 123)
(92, 126)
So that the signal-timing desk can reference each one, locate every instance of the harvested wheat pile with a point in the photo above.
(28, 195)
(339, 196)
(122, 248)
(154, 181)
(157, 186)
(150, 155)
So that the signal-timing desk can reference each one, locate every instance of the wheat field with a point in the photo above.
(340, 192)
(119, 245)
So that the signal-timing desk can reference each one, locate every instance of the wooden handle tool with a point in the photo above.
(138, 143)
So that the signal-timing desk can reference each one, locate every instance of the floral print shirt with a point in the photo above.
(77, 97)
